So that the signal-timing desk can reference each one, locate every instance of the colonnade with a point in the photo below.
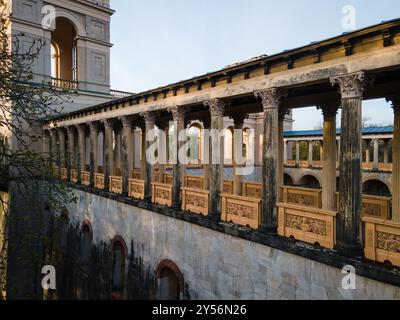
(72, 144)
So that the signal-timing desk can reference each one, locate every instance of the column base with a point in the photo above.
(147, 199)
(215, 216)
(176, 206)
(269, 230)
(350, 251)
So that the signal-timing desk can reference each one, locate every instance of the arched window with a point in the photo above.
(170, 281)
(119, 256)
(86, 241)
(64, 51)
(55, 60)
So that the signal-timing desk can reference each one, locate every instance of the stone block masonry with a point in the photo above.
(216, 265)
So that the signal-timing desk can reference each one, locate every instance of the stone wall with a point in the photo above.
(214, 265)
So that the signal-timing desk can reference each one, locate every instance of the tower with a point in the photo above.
(76, 45)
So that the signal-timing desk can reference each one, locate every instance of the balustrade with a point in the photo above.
(241, 210)
(86, 178)
(303, 196)
(99, 181)
(136, 188)
(252, 189)
(195, 200)
(115, 184)
(74, 176)
(382, 240)
(64, 174)
(161, 193)
(308, 224)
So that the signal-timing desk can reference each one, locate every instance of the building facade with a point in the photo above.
(156, 230)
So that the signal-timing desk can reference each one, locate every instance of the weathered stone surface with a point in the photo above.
(216, 265)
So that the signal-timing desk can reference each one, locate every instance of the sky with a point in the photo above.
(158, 42)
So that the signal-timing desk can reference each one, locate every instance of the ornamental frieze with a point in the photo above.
(302, 199)
(388, 242)
(240, 210)
(196, 201)
(306, 224)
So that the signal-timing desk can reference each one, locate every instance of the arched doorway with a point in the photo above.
(119, 256)
(170, 281)
(86, 242)
(376, 188)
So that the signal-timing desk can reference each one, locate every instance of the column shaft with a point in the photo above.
(329, 158)
(297, 153)
(348, 230)
(61, 138)
(216, 173)
(126, 152)
(271, 99)
(81, 150)
(149, 119)
(238, 120)
(396, 160)
(376, 154)
(108, 152)
(94, 149)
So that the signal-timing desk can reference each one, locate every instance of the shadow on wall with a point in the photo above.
(96, 279)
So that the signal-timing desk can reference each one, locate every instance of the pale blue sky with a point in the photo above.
(157, 42)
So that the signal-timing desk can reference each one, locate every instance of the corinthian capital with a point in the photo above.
(217, 106)
(108, 123)
(127, 122)
(178, 114)
(271, 98)
(94, 126)
(351, 85)
(149, 119)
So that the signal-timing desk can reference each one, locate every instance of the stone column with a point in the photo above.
(94, 149)
(61, 139)
(376, 154)
(178, 115)
(53, 147)
(396, 160)
(81, 150)
(367, 151)
(271, 99)
(281, 144)
(386, 151)
(163, 152)
(71, 150)
(149, 119)
(285, 152)
(206, 153)
(217, 108)
(126, 152)
(297, 153)
(143, 149)
(46, 144)
(310, 152)
(321, 148)
(338, 151)
(117, 150)
(108, 152)
(238, 120)
(328, 158)
(348, 226)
